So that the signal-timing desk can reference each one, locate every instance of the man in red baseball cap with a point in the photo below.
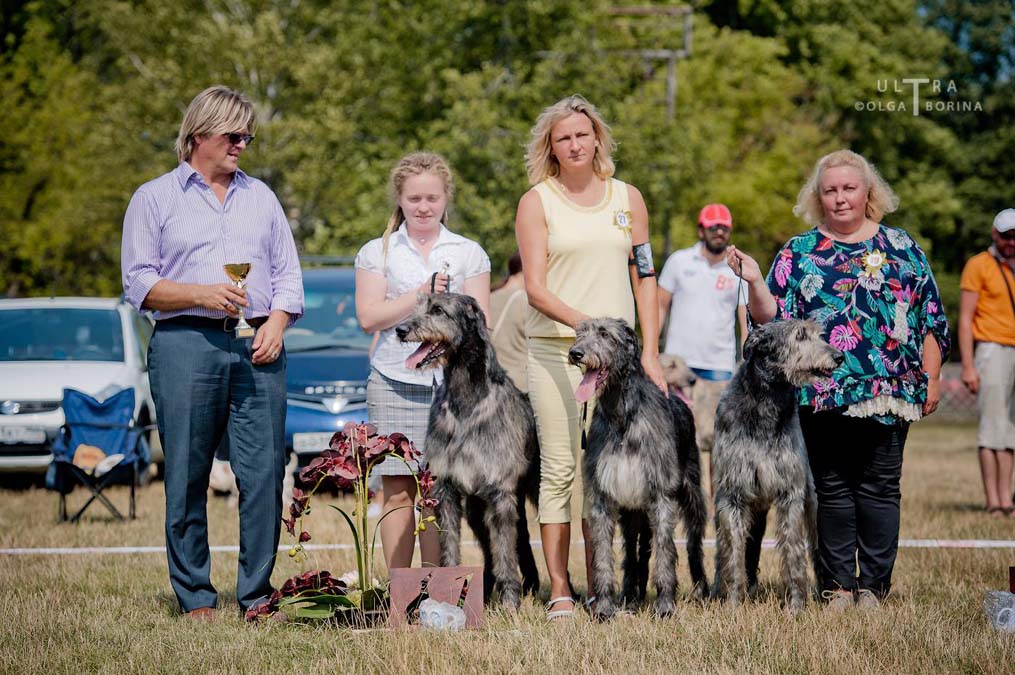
(715, 223)
(700, 292)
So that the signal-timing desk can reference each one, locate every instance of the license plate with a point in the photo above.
(12, 435)
(312, 442)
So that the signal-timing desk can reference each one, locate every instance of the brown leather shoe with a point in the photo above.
(201, 614)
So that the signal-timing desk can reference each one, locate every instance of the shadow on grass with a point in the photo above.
(961, 507)
(167, 603)
(22, 481)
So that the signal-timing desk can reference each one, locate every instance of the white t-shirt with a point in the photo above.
(703, 310)
(405, 271)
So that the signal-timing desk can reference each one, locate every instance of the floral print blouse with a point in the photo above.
(877, 300)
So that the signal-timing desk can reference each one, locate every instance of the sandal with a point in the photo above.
(997, 511)
(551, 615)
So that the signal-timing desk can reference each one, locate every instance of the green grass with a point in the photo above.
(116, 612)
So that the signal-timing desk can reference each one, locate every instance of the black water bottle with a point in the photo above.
(412, 609)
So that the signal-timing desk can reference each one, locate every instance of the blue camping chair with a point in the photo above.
(109, 426)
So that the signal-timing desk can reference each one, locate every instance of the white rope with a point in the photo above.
(767, 543)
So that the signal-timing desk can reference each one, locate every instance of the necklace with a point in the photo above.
(423, 239)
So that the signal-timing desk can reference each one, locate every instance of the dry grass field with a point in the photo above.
(116, 612)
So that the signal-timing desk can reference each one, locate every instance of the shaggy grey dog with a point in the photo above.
(481, 443)
(760, 460)
(641, 466)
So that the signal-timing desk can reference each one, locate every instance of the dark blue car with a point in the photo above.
(328, 365)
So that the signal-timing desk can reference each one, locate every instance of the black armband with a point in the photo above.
(642, 260)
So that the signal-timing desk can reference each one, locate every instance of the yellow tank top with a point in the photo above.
(587, 252)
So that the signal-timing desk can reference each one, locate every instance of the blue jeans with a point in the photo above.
(205, 386)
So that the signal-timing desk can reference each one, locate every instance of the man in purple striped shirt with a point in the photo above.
(207, 380)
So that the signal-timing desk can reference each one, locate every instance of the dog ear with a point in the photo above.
(754, 338)
(473, 314)
(631, 341)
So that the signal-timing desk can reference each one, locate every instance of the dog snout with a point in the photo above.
(402, 330)
(838, 357)
(575, 355)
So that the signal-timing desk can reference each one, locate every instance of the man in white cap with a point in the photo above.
(987, 317)
(700, 292)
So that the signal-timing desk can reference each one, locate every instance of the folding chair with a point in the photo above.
(109, 426)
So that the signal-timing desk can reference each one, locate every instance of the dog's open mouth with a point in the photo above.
(590, 384)
(822, 372)
(427, 353)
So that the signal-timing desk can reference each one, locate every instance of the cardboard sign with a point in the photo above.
(444, 584)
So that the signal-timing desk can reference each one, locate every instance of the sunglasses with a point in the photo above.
(235, 138)
(1007, 236)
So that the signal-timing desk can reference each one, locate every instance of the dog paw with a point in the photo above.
(699, 592)
(795, 607)
(510, 601)
(665, 610)
(604, 610)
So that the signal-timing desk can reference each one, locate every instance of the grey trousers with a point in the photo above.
(204, 385)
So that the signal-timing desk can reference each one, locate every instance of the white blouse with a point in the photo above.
(405, 271)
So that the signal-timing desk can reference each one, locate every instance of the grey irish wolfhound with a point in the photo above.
(760, 460)
(641, 466)
(481, 443)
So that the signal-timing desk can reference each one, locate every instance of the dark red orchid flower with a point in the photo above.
(402, 446)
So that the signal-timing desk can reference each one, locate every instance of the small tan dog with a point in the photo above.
(678, 375)
(222, 481)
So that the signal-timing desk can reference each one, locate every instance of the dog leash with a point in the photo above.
(747, 303)
(585, 416)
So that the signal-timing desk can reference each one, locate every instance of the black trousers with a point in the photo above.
(857, 466)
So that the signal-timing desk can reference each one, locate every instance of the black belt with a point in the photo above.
(227, 324)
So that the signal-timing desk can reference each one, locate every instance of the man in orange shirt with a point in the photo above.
(987, 315)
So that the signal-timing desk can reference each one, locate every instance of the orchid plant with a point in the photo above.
(345, 465)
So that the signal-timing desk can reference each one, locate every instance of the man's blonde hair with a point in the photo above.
(880, 197)
(216, 110)
(539, 160)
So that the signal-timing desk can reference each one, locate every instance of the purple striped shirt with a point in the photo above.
(176, 229)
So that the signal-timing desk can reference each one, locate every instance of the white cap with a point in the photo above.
(1005, 220)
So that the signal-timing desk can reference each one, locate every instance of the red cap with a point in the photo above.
(715, 214)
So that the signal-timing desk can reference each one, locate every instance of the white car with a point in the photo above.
(94, 345)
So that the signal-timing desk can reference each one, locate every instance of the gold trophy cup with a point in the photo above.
(238, 273)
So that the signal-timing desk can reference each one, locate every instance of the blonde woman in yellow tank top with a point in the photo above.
(576, 229)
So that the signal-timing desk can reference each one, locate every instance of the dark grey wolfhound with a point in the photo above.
(641, 468)
(481, 444)
(760, 460)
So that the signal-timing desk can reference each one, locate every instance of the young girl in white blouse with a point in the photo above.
(390, 272)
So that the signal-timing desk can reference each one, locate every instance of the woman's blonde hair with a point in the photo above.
(216, 110)
(413, 165)
(880, 197)
(539, 159)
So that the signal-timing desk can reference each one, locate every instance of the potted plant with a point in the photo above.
(345, 465)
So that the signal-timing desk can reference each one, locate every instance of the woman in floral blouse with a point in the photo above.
(872, 288)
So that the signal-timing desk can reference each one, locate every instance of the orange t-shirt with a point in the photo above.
(994, 319)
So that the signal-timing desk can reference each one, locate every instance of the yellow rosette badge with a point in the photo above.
(622, 220)
(873, 261)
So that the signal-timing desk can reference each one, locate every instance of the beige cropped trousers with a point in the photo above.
(552, 383)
